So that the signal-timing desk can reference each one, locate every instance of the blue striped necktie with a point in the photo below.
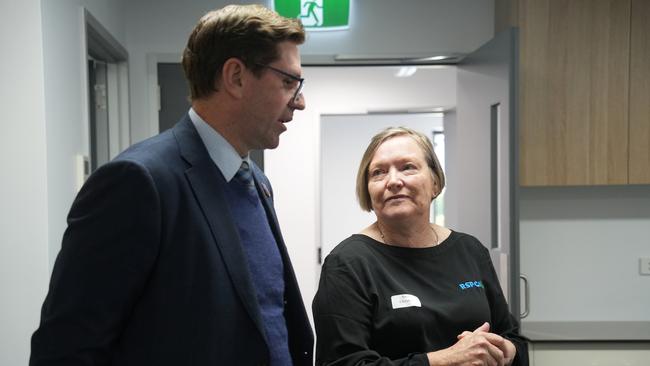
(244, 175)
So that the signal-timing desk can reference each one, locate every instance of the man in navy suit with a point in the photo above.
(173, 254)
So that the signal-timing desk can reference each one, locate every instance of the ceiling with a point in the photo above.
(376, 89)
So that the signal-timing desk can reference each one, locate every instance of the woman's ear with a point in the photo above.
(232, 77)
(436, 190)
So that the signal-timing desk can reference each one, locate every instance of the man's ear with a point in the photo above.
(232, 77)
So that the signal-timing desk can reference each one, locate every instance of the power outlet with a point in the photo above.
(644, 266)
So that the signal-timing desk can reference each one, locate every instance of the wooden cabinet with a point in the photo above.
(584, 92)
(639, 166)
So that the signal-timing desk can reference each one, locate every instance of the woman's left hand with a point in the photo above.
(508, 348)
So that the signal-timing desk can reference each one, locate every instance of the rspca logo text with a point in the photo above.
(470, 284)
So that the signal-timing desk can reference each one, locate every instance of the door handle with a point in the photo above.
(526, 311)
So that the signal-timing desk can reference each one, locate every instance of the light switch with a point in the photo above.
(644, 266)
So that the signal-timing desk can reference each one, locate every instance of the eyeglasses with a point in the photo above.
(301, 81)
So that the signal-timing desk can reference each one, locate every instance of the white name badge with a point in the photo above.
(405, 301)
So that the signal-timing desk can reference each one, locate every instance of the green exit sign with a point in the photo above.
(316, 14)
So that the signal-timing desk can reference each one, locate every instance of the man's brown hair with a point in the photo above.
(249, 33)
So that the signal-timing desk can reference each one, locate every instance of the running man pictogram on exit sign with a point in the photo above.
(316, 14)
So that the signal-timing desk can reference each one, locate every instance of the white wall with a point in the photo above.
(66, 96)
(23, 187)
(580, 249)
(43, 95)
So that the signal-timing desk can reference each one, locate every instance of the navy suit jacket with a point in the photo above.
(152, 272)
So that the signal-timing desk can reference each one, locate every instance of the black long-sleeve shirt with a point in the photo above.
(384, 305)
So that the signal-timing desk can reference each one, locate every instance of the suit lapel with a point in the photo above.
(208, 185)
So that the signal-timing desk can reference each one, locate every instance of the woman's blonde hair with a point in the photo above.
(423, 143)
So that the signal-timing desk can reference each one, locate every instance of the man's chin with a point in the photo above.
(272, 144)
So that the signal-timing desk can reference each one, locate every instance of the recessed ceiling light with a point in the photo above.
(431, 58)
(406, 71)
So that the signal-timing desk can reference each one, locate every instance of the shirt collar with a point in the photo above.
(222, 153)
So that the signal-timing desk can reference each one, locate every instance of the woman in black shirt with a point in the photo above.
(405, 291)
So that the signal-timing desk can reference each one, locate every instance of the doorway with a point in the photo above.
(108, 109)
(353, 103)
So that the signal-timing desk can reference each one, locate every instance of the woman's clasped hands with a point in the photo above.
(477, 348)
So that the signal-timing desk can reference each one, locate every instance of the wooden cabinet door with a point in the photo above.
(639, 168)
(574, 85)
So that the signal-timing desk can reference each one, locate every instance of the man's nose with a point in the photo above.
(298, 103)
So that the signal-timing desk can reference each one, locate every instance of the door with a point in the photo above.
(99, 118)
(485, 155)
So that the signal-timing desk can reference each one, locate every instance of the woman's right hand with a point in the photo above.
(477, 348)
